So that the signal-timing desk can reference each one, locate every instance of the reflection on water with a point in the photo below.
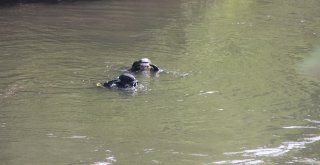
(272, 152)
(311, 65)
(239, 83)
(282, 149)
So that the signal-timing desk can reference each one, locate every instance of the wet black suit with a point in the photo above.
(125, 80)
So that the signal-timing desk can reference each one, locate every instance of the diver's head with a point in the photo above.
(145, 64)
(128, 80)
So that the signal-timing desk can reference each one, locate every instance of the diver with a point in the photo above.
(144, 65)
(124, 81)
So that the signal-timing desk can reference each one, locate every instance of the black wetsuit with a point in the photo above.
(125, 80)
(118, 84)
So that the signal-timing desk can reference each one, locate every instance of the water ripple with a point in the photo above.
(240, 162)
(283, 148)
(299, 127)
(277, 151)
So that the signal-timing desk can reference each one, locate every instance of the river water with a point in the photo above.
(241, 83)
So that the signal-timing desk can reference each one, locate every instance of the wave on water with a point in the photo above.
(283, 148)
(244, 161)
(108, 161)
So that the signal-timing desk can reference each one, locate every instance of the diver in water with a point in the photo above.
(144, 65)
(127, 80)
(124, 81)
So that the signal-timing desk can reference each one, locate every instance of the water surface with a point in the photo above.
(240, 83)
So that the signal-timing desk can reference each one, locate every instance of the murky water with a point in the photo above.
(241, 83)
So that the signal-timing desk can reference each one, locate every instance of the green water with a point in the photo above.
(241, 83)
